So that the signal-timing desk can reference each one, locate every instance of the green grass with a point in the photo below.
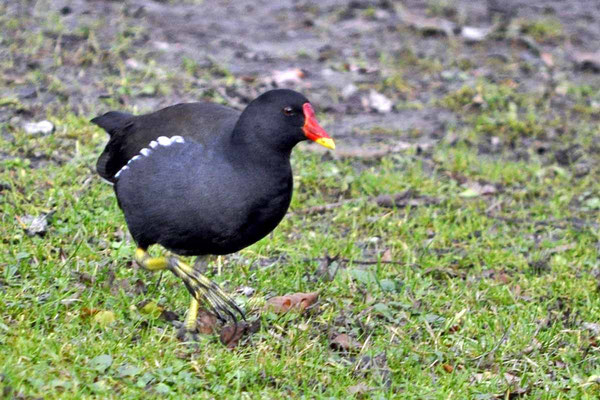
(544, 29)
(468, 296)
(463, 306)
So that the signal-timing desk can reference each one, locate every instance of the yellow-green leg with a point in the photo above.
(192, 316)
(200, 287)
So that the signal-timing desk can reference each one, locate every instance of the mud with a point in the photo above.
(90, 56)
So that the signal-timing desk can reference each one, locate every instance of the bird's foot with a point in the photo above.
(200, 287)
(203, 289)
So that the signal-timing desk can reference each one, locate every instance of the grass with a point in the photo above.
(544, 29)
(468, 295)
(464, 307)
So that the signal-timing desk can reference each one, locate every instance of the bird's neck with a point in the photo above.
(250, 144)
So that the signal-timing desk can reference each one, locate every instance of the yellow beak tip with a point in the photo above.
(326, 142)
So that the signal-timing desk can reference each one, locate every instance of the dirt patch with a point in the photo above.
(92, 56)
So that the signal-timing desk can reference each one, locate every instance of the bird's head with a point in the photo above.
(280, 119)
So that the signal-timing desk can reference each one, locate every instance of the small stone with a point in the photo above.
(349, 90)
(472, 34)
(36, 128)
(379, 102)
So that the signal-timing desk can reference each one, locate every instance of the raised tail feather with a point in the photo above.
(112, 121)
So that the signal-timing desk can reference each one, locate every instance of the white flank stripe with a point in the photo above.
(161, 140)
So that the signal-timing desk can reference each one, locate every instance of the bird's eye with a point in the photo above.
(288, 111)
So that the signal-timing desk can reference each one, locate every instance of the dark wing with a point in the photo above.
(203, 122)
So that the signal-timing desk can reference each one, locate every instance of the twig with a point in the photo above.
(403, 199)
(493, 350)
(576, 223)
(327, 207)
(349, 260)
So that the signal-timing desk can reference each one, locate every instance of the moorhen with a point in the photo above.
(204, 179)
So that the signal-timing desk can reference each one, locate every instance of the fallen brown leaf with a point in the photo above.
(206, 322)
(403, 199)
(547, 59)
(343, 342)
(88, 312)
(297, 301)
(231, 334)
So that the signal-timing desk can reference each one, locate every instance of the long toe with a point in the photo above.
(205, 290)
(223, 306)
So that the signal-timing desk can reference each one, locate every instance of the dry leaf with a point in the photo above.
(88, 312)
(592, 327)
(359, 388)
(297, 301)
(511, 379)
(37, 225)
(502, 277)
(206, 322)
(343, 342)
(408, 198)
(293, 75)
(231, 334)
(547, 59)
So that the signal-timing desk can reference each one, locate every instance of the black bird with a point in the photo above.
(204, 179)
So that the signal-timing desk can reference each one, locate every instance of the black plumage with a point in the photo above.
(202, 178)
